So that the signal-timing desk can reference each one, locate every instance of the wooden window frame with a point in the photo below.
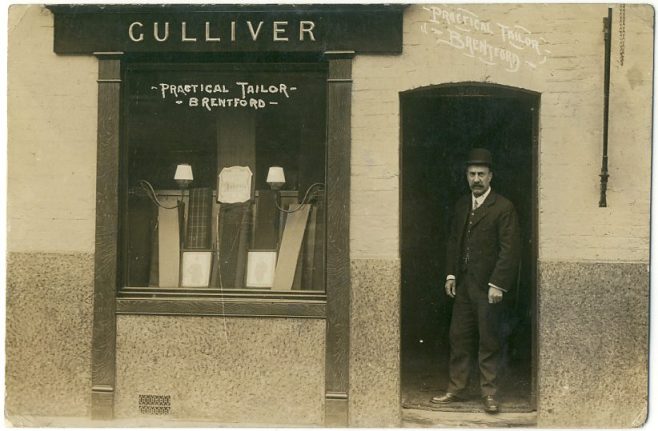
(215, 302)
(333, 304)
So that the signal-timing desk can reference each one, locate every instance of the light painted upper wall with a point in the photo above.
(52, 104)
(570, 80)
(52, 130)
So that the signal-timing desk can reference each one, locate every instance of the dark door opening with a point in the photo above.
(439, 126)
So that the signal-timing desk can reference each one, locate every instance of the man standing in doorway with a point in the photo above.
(482, 261)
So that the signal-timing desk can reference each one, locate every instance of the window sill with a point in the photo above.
(213, 302)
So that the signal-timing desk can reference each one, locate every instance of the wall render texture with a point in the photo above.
(575, 235)
(256, 371)
(51, 162)
(51, 125)
(52, 104)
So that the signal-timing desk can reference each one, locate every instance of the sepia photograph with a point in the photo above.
(328, 215)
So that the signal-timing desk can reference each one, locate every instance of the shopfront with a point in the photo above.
(249, 205)
(223, 188)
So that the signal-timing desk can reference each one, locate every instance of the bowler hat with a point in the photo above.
(479, 156)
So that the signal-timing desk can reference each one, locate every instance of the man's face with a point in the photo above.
(479, 178)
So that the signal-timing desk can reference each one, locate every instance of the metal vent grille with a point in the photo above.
(155, 404)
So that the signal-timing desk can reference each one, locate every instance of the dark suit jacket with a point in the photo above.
(495, 234)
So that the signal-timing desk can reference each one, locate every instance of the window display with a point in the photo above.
(223, 176)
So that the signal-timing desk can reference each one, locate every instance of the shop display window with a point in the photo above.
(223, 177)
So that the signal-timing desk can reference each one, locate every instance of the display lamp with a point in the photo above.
(276, 178)
(183, 176)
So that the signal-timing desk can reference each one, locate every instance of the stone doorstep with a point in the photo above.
(416, 418)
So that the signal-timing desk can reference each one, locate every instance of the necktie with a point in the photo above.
(467, 233)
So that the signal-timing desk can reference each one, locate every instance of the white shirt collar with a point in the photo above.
(480, 199)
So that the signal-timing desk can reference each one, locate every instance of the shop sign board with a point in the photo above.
(81, 29)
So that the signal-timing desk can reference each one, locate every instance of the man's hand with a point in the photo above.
(495, 295)
(450, 288)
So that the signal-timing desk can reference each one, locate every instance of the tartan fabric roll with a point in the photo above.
(199, 219)
(233, 243)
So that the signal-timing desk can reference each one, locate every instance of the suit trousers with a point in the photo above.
(475, 326)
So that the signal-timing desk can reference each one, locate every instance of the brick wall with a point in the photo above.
(51, 155)
(51, 158)
(592, 258)
(51, 199)
(572, 226)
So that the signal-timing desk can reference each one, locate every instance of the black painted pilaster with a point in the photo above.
(339, 104)
(107, 213)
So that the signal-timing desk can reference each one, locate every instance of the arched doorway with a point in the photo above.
(439, 126)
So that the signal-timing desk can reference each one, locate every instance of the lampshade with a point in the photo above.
(275, 177)
(183, 175)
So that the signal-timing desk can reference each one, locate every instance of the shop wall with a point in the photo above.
(233, 370)
(51, 196)
(246, 371)
(593, 259)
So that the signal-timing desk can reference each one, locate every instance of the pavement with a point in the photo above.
(148, 422)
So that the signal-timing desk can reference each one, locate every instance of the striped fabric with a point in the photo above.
(199, 219)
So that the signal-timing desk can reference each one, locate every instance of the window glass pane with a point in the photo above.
(237, 230)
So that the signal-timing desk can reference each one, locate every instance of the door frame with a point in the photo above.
(480, 89)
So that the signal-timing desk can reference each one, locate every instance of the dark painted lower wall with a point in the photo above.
(593, 344)
(375, 344)
(593, 350)
(247, 371)
(48, 335)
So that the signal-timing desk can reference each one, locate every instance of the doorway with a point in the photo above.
(439, 127)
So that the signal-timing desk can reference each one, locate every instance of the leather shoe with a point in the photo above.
(490, 404)
(448, 398)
